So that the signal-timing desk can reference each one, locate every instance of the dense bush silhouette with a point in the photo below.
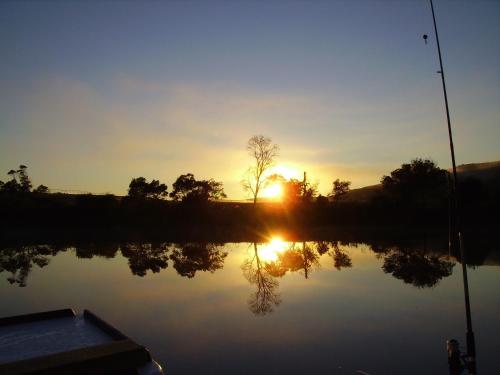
(415, 195)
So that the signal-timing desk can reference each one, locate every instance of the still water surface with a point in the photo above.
(271, 308)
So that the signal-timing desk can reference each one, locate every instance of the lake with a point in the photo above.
(277, 307)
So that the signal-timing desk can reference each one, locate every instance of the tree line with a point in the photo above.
(417, 193)
(185, 189)
(419, 181)
(263, 153)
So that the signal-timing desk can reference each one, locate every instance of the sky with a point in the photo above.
(94, 93)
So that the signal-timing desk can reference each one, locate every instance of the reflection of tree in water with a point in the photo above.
(20, 260)
(146, 256)
(191, 257)
(322, 247)
(275, 269)
(266, 297)
(416, 267)
(340, 258)
(88, 251)
(299, 258)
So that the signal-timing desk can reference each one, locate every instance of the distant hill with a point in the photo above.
(488, 173)
(363, 194)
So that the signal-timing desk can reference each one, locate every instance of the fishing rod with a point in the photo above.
(453, 351)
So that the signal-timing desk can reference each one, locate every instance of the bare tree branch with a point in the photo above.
(263, 151)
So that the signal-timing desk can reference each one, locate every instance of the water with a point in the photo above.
(273, 308)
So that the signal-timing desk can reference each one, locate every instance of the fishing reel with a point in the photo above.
(457, 361)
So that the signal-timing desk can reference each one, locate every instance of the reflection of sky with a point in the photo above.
(92, 94)
(358, 318)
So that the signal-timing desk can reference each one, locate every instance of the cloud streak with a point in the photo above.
(77, 136)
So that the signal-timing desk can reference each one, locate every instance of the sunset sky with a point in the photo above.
(95, 93)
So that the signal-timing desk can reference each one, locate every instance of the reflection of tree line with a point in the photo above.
(418, 267)
(187, 258)
(20, 260)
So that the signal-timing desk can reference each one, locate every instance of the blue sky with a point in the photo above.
(95, 93)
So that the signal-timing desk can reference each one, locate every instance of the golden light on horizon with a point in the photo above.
(268, 252)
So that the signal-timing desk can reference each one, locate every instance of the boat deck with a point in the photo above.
(61, 342)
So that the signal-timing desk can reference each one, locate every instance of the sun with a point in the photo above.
(274, 190)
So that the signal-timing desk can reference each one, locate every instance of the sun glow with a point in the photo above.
(286, 171)
(269, 252)
(273, 191)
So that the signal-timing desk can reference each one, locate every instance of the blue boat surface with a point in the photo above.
(63, 342)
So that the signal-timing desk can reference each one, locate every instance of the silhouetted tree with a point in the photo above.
(140, 188)
(265, 298)
(309, 191)
(19, 183)
(421, 182)
(24, 180)
(339, 189)
(183, 186)
(294, 191)
(11, 186)
(263, 151)
(143, 257)
(188, 189)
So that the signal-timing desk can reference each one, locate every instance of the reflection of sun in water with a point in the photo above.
(268, 252)
(272, 191)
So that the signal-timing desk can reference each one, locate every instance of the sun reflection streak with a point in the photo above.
(269, 251)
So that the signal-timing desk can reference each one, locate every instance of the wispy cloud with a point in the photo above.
(98, 141)
(87, 137)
